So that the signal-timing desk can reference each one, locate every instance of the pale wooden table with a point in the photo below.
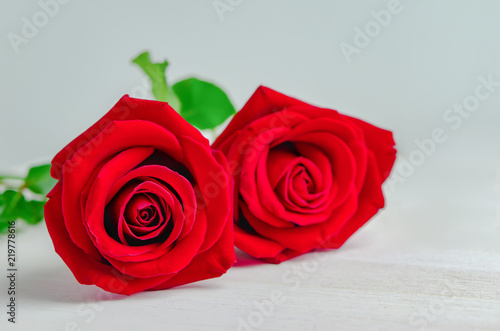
(429, 261)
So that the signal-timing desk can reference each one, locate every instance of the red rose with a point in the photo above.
(305, 177)
(142, 202)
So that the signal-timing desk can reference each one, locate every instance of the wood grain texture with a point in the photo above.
(429, 261)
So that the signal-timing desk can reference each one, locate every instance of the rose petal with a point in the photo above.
(381, 143)
(371, 199)
(305, 238)
(85, 268)
(256, 245)
(263, 102)
(108, 184)
(213, 185)
(211, 263)
(118, 137)
(129, 109)
(181, 254)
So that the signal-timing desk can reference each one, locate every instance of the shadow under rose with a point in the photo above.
(245, 260)
(58, 285)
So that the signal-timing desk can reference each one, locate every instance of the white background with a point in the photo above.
(430, 260)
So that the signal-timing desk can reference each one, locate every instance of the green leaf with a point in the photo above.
(39, 181)
(203, 104)
(156, 72)
(13, 206)
(10, 201)
(34, 212)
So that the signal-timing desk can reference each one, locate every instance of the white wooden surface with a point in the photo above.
(429, 261)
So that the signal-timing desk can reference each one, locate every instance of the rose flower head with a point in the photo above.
(305, 177)
(142, 202)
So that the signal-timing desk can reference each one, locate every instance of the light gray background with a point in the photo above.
(442, 220)
(78, 65)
